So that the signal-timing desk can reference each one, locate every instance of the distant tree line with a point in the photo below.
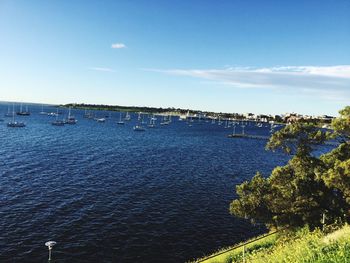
(309, 188)
(154, 110)
(122, 108)
(237, 116)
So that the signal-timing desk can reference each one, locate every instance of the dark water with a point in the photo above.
(105, 193)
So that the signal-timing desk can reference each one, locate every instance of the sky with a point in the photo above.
(241, 56)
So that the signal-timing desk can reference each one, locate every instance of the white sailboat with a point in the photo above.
(127, 117)
(101, 119)
(165, 121)
(71, 119)
(9, 113)
(86, 114)
(22, 112)
(234, 129)
(139, 127)
(152, 122)
(190, 121)
(143, 120)
(42, 110)
(52, 114)
(120, 122)
(219, 122)
(243, 126)
(57, 122)
(227, 124)
(13, 123)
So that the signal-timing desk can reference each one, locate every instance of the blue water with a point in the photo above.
(105, 193)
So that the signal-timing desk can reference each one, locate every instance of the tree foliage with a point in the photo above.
(297, 139)
(342, 124)
(308, 186)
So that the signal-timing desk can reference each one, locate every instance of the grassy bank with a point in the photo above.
(302, 246)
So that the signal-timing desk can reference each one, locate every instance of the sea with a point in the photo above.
(106, 193)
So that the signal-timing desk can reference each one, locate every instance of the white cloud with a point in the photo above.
(331, 71)
(118, 45)
(332, 82)
(102, 69)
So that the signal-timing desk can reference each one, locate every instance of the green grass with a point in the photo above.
(236, 254)
(302, 246)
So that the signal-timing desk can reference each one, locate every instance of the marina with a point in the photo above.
(115, 183)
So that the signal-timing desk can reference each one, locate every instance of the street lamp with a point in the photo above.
(50, 244)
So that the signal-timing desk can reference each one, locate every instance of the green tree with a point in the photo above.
(293, 194)
(253, 202)
(297, 139)
(342, 124)
(335, 171)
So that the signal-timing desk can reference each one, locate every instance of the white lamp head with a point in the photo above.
(50, 244)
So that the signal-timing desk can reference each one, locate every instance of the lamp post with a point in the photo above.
(50, 244)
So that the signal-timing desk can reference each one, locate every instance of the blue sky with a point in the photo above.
(229, 56)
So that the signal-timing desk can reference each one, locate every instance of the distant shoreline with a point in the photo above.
(277, 119)
(153, 110)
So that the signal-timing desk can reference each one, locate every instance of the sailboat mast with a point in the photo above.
(13, 112)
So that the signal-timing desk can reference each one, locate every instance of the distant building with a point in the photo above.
(249, 116)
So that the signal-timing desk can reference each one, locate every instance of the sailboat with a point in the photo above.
(143, 120)
(13, 123)
(120, 122)
(87, 114)
(243, 126)
(71, 119)
(190, 121)
(226, 124)
(234, 129)
(139, 127)
(152, 122)
(57, 122)
(127, 117)
(165, 121)
(52, 114)
(9, 113)
(219, 122)
(153, 118)
(22, 112)
(100, 119)
(42, 110)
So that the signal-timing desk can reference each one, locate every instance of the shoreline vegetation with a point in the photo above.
(155, 110)
(303, 245)
(323, 121)
(311, 192)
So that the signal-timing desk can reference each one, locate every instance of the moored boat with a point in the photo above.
(22, 112)
(42, 111)
(139, 128)
(57, 122)
(120, 122)
(127, 117)
(13, 123)
(70, 119)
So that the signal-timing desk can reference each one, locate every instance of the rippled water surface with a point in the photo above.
(105, 193)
